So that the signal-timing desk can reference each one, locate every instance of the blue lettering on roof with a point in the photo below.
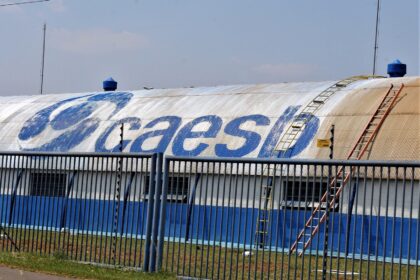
(70, 122)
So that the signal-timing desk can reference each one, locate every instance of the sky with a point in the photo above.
(183, 43)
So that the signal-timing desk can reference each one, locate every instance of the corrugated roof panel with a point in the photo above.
(237, 121)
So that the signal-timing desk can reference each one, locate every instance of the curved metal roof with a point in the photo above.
(228, 121)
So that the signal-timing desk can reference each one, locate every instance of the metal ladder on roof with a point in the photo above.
(295, 129)
(263, 219)
(292, 133)
(338, 182)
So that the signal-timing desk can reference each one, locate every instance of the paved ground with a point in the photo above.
(17, 274)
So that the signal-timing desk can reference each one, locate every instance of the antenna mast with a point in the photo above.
(375, 50)
(43, 58)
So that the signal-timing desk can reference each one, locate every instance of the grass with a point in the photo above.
(180, 258)
(203, 261)
(59, 265)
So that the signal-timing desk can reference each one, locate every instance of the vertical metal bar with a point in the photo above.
(81, 211)
(144, 173)
(210, 243)
(155, 222)
(234, 181)
(39, 172)
(305, 205)
(394, 221)
(61, 204)
(172, 166)
(363, 223)
(248, 185)
(203, 204)
(350, 204)
(162, 218)
(109, 185)
(150, 206)
(332, 216)
(73, 218)
(20, 203)
(123, 186)
(378, 222)
(258, 238)
(89, 202)
(83, 203)
(326, 234)
(273, 193)
(320, 194)
(279, 208)
(71, 201)
(43, 199)
(228, 234)
(96, 200)
(196, 200)
(176, 178)
(401, 237)
(116, 209)
(77, 204)
(218, 244)
(130, 201)
(410, 225)
(141, 164)
(13, 185)
(49, 198)
(356, 211)
(113, 184)
(312, 207)
(372, 193)
(222, 216)
(25, 194)
(3, 192)
(19, 215)
(386, 220)
(241, 198)
(137, 201)
(283, 245)
(102, 204)
(9, 203)
(128, 187)
(340, 202)
(295, 201)
(193, 214)
(58, 204)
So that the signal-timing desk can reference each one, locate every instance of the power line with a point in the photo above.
(22, 3)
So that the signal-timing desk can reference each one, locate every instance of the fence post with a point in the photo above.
(162, 218)
(327, 205)
(149, 217)
(156, 208)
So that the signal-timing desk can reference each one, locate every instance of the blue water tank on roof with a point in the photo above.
(397, 69)
(109, 84)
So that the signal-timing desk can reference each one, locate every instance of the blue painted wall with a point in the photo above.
(228, 226)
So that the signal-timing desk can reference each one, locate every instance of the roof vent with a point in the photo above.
(397, 69)
(109, 84)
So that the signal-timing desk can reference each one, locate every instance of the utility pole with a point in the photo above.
(375, 48)
(43, 58)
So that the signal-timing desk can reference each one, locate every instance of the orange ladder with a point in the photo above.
(362, 145)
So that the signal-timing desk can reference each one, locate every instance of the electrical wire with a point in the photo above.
(22, 3)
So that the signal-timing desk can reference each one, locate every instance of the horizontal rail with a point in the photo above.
(376, 163)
